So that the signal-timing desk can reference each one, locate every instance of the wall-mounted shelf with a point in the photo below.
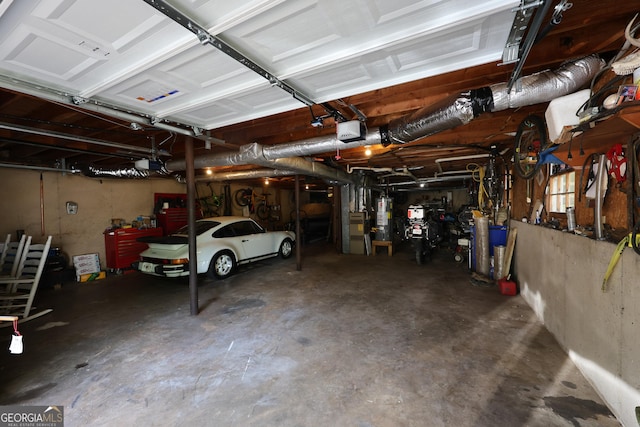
(617, 126)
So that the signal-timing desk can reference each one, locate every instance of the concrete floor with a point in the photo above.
(348, 341)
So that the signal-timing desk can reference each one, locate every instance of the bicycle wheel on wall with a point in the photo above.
(262, 211)
(242, 197)
(531, 140)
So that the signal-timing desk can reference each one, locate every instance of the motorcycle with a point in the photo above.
(425, 232)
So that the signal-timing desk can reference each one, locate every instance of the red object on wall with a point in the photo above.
(121, 246)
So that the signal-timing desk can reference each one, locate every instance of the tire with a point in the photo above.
(286, 248)
(262, 210)
(222, 265)
(419, 255)
(242, 197)
(531, 139)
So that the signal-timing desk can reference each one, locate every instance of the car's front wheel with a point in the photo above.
(286, 248)
(222, 265)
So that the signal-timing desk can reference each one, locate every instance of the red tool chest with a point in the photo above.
(171, 211)
(121, 246)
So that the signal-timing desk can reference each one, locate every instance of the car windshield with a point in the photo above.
(201, 227)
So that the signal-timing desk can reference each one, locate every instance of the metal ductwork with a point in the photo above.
(311, 168)
(464, 107)
(547, 85)
(455, 111)
(129, 173)
(248, 174)
(447, 114)
(285, 156)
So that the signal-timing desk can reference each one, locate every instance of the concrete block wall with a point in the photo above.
(560, 276)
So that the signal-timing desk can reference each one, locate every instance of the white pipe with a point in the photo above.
(54, 134)
(37, 168)
(458, 172)
(468, 157)
(66, 99)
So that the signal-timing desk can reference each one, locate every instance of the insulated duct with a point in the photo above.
(547, 85)
(306, 167)
(455, 111)
(129, 173)
(447, 114)
(91, 171)
(464, 107)
(284, 156)
(248, 174)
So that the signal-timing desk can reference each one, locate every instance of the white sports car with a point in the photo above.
(222, 244)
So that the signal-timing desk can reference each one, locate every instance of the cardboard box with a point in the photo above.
(86, 264)
(91, 276)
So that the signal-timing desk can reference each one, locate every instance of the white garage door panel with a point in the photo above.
(468, 45)
(128, 54)
(250, 105)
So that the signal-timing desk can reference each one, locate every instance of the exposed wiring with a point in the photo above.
(593, 98)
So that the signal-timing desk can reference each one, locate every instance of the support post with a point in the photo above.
(191, 215)
(298, 237)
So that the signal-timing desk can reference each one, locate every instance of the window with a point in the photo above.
(562, 192)
(244, 228)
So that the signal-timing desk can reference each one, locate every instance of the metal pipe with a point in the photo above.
(249, 153)
(306, 167)
(37, 168)
(430, 180)
(467, 157)
(191, 212)
(61, 135)
(458, 172)
(67, 99)
(249, 174)
(298, 236)
(282, 157)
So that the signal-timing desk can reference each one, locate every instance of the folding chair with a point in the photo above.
(13, 256)
(3, 254)
(20, 291)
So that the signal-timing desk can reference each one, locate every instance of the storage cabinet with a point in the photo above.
(171, 211)
(171, 219)
(121, 246)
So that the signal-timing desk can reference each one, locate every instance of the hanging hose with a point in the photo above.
(588, 163)
(475, 168)
(634, 238)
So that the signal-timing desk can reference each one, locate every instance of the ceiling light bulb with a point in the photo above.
(367, 152)
(266, 181)
(306, 187)
(209, 171)
(422, 185)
